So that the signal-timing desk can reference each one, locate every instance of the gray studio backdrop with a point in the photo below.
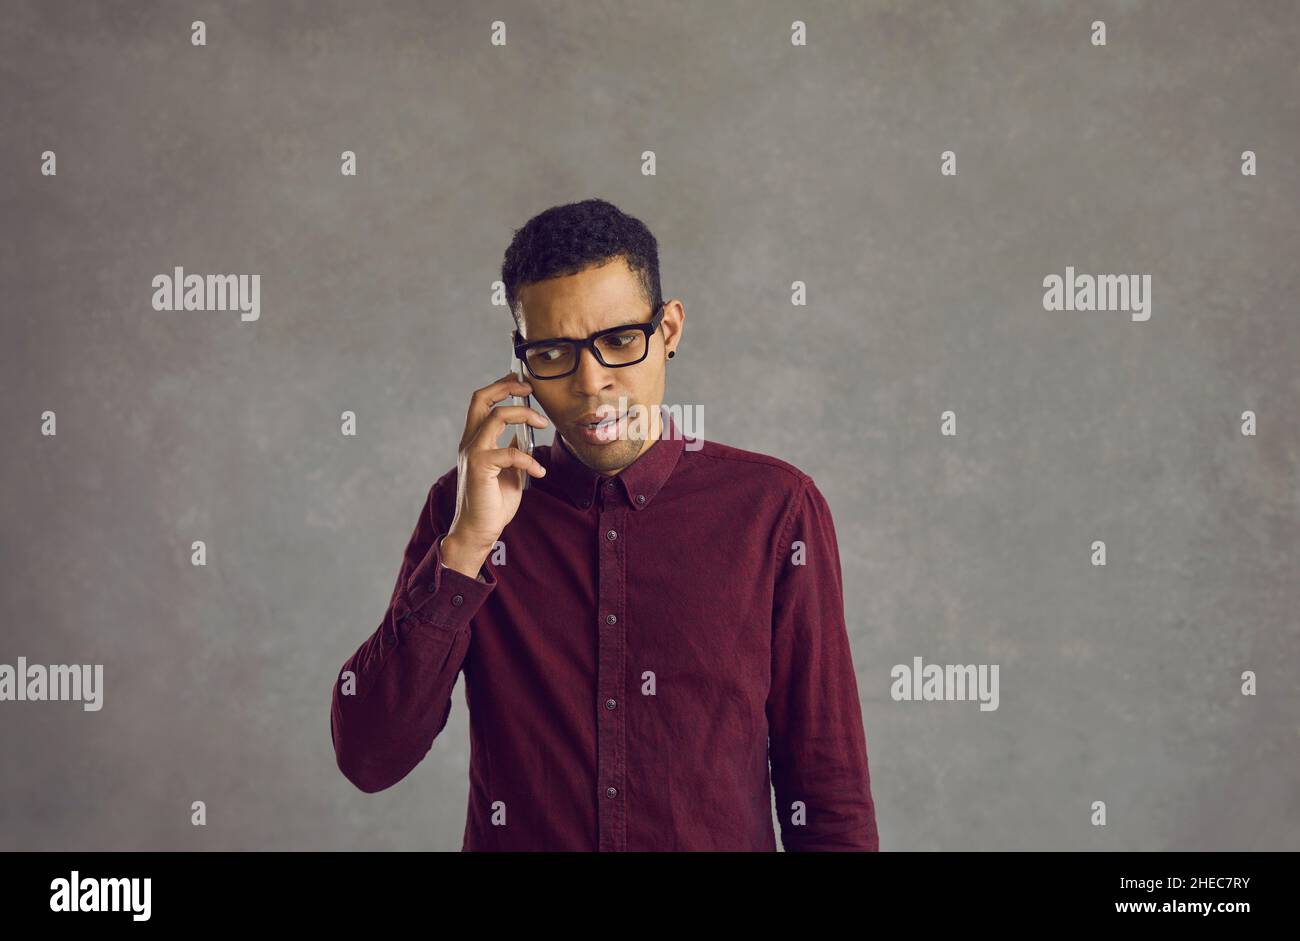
(774, 163)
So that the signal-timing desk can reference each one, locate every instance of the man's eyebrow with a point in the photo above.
(617, 326)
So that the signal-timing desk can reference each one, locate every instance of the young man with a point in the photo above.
(644, 626)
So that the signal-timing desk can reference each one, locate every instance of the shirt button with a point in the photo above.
(611, 535)
(640, 498)
(610, 704)
(611, 792)
(586, 503)
(458, 600)
(611, 485)
(611, 619)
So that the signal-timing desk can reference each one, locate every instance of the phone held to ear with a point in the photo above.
(523, 441)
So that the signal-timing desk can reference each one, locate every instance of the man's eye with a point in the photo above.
(619, 340)
(549, 352)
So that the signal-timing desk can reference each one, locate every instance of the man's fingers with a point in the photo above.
(491, 394)
(503, 458)
(498, 418)
(481, 402)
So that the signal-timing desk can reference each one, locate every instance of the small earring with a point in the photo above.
(672, 353)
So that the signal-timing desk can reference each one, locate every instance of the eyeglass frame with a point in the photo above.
(648, 328)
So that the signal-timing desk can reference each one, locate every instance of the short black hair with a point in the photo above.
(564, 240)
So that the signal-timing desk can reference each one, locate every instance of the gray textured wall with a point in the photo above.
(775, 163)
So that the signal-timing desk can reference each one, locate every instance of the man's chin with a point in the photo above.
(605, 457)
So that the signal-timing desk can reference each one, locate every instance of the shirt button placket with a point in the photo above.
(611, 632)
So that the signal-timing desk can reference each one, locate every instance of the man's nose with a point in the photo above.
(591, 377)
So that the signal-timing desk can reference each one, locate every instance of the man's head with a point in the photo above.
(574, 270)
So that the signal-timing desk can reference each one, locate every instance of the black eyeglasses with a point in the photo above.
(614, 347)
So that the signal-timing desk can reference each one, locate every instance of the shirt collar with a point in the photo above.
(567, 475)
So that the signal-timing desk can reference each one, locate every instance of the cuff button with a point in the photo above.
(458, 600)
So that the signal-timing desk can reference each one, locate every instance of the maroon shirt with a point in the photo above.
(637, 648)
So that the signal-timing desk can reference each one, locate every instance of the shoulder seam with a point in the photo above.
(789, 515)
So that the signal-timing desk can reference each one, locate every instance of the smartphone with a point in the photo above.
(523, 441)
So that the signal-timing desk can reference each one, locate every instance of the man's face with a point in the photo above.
(577, 306)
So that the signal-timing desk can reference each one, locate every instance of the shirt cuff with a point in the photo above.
(444, 596)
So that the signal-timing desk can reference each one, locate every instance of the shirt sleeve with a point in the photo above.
(393, 695)
(817, 745)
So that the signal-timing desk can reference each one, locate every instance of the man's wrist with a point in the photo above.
(461, 558)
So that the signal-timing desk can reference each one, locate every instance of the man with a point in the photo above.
(644, 626)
